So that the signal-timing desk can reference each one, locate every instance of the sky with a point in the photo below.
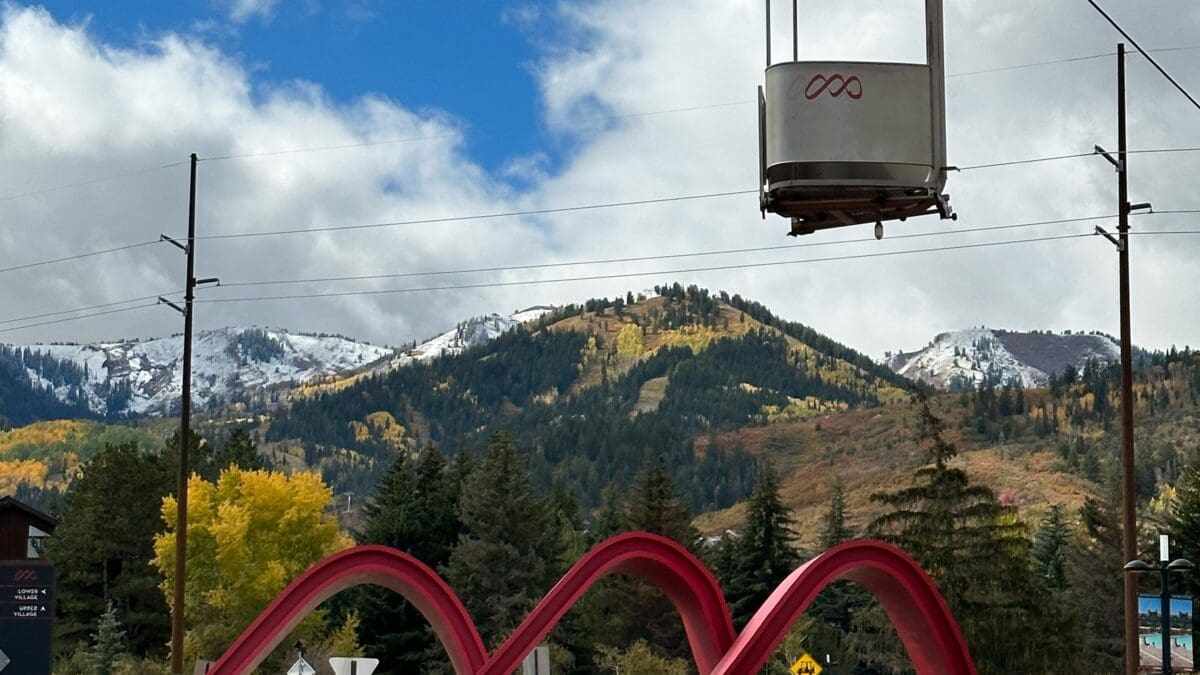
(320, 114)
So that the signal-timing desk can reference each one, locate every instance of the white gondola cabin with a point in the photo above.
(848, 142)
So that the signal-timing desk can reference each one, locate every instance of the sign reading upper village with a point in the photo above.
(26, 591)
(26, 613)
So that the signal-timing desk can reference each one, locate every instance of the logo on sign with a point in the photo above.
(835, 84)
(25, 575)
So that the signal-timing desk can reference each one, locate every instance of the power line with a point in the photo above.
(89, 307)
(1031, 160)
(624, 275)
(1053, 158)
(571, 279)
(669, 256)
(484, 216)
(91, 181)
(1143, 51)
(1091, 57)
(77, 256)
(1001, 69)
(76, 318)
(320, 148)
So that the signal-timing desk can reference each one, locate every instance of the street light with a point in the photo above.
(1165, 569)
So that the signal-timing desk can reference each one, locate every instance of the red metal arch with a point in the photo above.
(912, 602)
(662, 562)
(379, 565)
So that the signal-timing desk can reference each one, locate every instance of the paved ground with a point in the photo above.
(1181, 658)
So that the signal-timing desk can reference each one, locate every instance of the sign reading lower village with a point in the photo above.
(26, 613)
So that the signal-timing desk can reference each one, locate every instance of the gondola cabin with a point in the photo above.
(849, 142)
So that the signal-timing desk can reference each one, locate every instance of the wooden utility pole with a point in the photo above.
(185, 428)
(185, 424)
(1128, 486)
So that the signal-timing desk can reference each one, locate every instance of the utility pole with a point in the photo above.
(181, 494)
(1128, 487)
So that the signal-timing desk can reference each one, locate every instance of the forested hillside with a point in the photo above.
(22, 400)
(598, 390)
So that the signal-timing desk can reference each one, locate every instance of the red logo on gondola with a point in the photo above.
(835, 84)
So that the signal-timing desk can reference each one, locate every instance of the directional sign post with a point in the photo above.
(343, 665)
(806, 665)
(26, 615)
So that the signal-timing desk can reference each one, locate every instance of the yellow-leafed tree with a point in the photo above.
(249, 535)
(629, 340)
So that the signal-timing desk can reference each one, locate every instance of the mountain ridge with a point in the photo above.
(965, 359)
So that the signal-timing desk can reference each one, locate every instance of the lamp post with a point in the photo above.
(1165, 569)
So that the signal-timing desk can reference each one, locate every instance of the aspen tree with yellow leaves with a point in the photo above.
(249, 535)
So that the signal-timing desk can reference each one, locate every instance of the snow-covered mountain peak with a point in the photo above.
(474, 331)
(963, 359)
(145, 376)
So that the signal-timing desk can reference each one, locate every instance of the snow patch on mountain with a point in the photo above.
(963, 359)
(226, 363)
(469, 333)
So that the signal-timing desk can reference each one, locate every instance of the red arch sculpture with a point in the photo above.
(913, 603)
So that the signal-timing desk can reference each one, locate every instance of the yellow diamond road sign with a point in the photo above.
(806, 665)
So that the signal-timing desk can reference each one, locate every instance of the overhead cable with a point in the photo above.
(670, 256)
(625, 275)
(1143, 51)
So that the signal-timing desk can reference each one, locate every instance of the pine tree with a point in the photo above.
(1184, 524)
(834, 529)
(655, 506)
(108, 642)
(976, 550)
(240, 451)
(1096, 580)
(1050, 549)
(104, 546)
(834, 610)
(415, 511)
(634, 609)
(764, 553)
(504, 561)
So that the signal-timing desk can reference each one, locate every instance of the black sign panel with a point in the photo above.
(26, 613)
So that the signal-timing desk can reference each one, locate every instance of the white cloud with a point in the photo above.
(241, 11)
(74, 108)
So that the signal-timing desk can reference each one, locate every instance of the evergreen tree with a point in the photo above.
(834, 610)
(240, 450)
(1050, 549)
(1094, 572)
(763, 555)
(1184, 525)
(415, 511)
(504, 561)
(655, 506)
(108, 642)
(834, 529)
(975, 549)
(634, 609)
(105, 544)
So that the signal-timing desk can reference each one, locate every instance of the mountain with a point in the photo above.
(596, 391)
(115, 379)
(963, 359)
(469, 333)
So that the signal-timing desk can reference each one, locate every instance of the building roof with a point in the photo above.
(43, 521)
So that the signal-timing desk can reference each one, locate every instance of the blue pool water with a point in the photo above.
(1155, 640)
